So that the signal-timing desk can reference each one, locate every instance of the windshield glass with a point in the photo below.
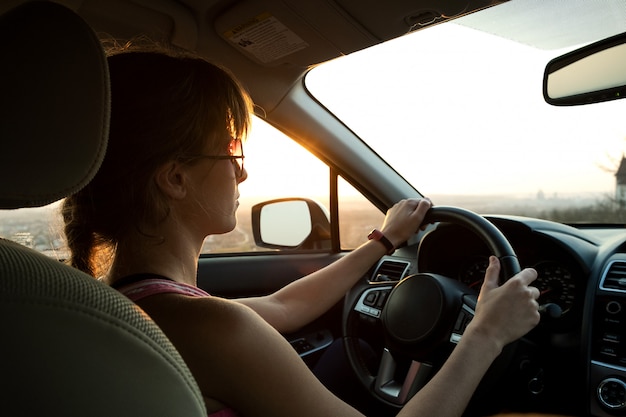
(460, 114)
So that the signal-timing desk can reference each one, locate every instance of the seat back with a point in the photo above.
(69, 345)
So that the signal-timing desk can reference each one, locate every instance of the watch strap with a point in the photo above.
(380, 237)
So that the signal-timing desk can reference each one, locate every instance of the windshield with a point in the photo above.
(460, 114)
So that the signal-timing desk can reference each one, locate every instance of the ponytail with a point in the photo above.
(89, 251)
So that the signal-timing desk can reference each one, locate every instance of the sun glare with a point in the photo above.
(274, 163)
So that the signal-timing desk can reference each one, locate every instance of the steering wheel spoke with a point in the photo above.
(468, 310)
(395, 391)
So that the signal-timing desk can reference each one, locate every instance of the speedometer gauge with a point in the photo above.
(556, 285)
(473, 271)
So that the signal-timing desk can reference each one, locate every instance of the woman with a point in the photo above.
(170, 178)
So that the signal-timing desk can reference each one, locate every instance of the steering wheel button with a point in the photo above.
(370, 299)
(459, 322)
(369, 311)
(455, 338)
(381, 299)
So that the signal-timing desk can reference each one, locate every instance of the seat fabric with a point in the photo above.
(73, 346)
(69, 345)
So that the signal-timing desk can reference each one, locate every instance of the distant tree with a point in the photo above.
(541, 195)
(607, 210)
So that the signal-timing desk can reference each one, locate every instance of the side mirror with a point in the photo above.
(291, 223)
(591, 74)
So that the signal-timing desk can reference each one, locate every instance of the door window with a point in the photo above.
(277, 167)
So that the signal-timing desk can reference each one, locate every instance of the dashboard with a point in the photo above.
(457, 253)
(581, 352)
(572, 363)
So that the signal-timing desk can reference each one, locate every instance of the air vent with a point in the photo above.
(390, 271)
(615, 277)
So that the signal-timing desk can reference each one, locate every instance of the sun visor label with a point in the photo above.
(265, 38)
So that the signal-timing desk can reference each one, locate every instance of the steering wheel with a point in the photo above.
(422, 317)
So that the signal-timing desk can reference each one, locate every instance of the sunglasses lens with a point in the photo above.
(235, 149)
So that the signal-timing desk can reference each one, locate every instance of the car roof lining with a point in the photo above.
(329, 28)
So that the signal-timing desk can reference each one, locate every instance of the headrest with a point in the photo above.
(54, 104)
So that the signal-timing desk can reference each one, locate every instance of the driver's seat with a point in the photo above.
(69, 345)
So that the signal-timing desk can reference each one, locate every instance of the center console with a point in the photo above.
(608, 344)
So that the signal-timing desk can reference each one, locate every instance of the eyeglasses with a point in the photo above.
(235, 154)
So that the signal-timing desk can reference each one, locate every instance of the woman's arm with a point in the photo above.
(304, 300)
(241, 362)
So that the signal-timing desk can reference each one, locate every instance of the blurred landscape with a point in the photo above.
(42, 228)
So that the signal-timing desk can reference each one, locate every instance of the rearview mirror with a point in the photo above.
(591, 74)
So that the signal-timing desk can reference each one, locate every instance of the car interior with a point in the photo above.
(74, 346)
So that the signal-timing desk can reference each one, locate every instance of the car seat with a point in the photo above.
(69, 345)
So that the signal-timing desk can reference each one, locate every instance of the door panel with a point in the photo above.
(245, 275)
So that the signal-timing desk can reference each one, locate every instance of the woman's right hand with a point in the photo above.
(404, 219)
(506, 312)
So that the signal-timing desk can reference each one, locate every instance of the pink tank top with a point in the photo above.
(140, 286)
(150, 286)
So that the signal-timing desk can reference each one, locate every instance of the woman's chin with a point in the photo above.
(226, 228)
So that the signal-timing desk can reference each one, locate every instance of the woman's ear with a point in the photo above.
(172, 180)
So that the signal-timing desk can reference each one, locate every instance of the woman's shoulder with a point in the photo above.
(202, 325)
(205, 313)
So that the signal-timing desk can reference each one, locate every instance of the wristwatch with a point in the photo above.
(378, 235)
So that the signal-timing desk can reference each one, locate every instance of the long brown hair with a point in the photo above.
(164, 104)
